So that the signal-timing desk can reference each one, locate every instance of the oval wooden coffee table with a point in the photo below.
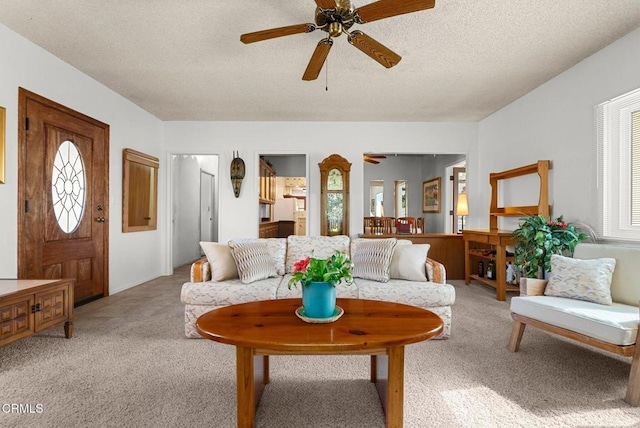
(368, 327)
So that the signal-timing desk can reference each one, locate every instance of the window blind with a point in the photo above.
(635, 168)
(618, 152)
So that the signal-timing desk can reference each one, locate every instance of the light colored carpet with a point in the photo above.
(129, 365)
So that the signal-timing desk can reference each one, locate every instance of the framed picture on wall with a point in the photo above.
(431, 195)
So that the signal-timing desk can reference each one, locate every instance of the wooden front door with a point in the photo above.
(63, 195)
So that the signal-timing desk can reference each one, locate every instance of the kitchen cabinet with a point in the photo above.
(295, 182)
(267, 185)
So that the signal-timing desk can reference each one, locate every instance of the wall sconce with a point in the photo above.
(462, 209)
(237, 173)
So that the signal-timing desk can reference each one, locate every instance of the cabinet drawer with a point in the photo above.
(6, 313)
(15, 310)
(15, 326)
(6, 329)
(483, 239)
(53, 307)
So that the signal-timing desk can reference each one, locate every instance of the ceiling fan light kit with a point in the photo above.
(336, 17)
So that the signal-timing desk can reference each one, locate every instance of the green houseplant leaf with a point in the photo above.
(538, 238)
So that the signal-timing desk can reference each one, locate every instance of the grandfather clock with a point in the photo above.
(334, 196)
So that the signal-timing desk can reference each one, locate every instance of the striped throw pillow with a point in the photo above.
(372, 258)
(253, 260)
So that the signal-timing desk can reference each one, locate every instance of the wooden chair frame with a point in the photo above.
(633, 385)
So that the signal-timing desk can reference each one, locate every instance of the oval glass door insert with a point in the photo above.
(68, 187)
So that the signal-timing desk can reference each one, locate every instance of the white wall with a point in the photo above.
(351, 140)
(555, 121)
(133, 257)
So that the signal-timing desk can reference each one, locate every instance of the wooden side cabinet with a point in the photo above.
(488, 245)
(28, 306)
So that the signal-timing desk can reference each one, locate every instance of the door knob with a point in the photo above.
(100, 219)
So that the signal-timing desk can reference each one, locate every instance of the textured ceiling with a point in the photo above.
(183, 60)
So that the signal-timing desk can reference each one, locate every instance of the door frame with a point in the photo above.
(23, 96)
(213, 235)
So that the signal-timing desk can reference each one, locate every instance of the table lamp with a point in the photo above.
(462, 209)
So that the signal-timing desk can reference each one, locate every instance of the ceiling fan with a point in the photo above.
(338, 16)
(372, 158)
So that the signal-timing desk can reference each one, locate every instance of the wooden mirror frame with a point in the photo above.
(339, 163)
(139, 191)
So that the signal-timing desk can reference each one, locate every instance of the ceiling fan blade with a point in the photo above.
(272, 33)
(317, 59)
(326, 4)
(374, 49)
(375, 156)
(388, 8)
(375, 162)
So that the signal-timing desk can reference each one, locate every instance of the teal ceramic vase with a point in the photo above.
(319, 299)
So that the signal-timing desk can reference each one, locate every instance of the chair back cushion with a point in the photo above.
(626, 275)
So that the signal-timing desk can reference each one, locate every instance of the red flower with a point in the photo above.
(301, 265)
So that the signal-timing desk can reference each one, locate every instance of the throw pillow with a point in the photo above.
(372, 258)
(253, 260)
(278, 250)
(321, 247)
(220, 260)
(588, 279)
(409, 262)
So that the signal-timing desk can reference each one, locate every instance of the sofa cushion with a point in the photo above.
(616, 324)
(422, 294)
(322, 247)
(221, 263)
(409, 262)
(228, 292)
(253, 260)
(372, 258)
(588, 280)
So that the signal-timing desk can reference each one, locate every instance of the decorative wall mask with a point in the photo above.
(237, 173)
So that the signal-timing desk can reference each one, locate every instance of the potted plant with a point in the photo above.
(538, 238)
(319, 278)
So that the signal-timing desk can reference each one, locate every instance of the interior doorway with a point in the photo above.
(457, 174)
(194, 205)
(282, 199)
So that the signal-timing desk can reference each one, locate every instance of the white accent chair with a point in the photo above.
(612, 328)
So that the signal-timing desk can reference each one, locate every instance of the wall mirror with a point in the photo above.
(139, 191)
(376, 192)
(400, 198)
(334, 196)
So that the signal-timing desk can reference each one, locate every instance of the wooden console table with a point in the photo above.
(476, 244)
(28, 306)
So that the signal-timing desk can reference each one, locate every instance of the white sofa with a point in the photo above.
(611, 325)
(210, 287)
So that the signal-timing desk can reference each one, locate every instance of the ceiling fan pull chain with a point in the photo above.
(326, 75)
